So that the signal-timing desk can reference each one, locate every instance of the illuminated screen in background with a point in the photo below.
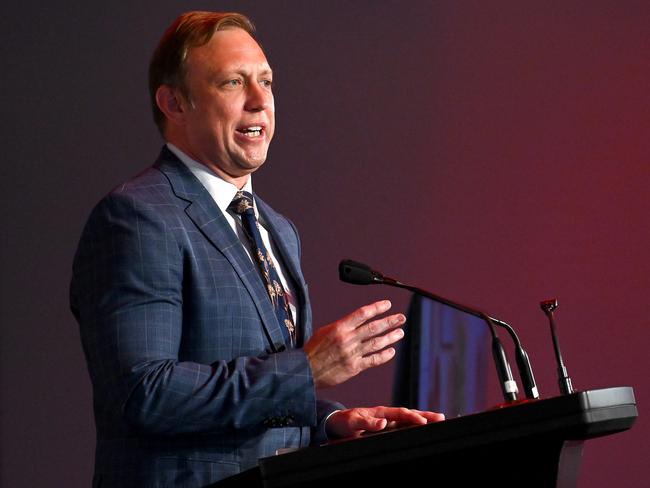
(443, 361)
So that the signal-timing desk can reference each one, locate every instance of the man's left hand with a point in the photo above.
(355, 421)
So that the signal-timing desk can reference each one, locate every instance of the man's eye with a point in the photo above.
(267, 83)
(232, 83)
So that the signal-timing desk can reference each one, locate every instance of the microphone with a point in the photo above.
(357, 273)
(548, 306)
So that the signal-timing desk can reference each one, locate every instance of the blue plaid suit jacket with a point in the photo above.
(192, 381)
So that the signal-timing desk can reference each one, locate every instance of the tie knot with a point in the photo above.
(242, 202)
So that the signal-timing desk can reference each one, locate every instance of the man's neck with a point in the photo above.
(238, 181)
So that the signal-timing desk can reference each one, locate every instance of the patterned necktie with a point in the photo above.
(242, 205)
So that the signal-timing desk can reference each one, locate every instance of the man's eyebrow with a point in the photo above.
(237, 70)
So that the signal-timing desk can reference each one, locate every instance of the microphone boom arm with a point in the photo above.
(523, 362)
(361, 274)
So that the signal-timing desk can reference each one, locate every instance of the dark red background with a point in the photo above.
(493, 152)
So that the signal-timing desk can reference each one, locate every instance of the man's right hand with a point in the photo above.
(345, 348)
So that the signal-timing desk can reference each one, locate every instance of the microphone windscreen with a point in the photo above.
(356, 273)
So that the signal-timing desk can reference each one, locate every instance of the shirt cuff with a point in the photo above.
(325, 423)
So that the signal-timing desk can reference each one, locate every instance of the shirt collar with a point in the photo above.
(221, 191)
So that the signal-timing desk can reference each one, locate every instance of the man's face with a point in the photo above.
(230, 118)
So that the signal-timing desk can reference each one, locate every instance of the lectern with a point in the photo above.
(532, 444)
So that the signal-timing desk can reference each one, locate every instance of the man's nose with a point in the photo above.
(257, 97)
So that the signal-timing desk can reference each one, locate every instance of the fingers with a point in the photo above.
(359, 341)
(353, 422)
(366, 313)
(376, 359)
(369, 340)
(401, 416)
(432, 416)
(387, 333)
(362, 419)
(376, 327)
(378, 418)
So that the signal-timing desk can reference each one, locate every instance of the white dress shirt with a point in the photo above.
(222, 192)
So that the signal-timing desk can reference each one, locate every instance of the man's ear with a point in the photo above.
(172, 103)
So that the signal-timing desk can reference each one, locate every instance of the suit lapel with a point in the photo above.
(285, 239)
(207, 216)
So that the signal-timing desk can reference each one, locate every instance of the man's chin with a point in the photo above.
(252, 162)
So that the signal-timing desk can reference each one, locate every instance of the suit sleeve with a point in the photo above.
(127, 294)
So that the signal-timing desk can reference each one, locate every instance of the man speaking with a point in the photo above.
(193, 310)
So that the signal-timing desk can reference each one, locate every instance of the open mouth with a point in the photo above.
(252, 131)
